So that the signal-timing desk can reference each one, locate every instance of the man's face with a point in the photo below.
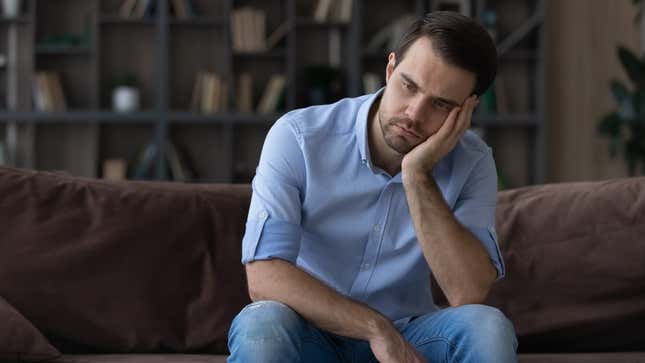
(419, 95)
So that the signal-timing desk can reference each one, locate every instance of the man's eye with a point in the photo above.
(407, 86)
(441, 105)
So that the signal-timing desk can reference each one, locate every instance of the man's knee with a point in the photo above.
(266, 320)
(487, 331)
(266, 330)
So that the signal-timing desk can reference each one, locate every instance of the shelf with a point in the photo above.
(310, 23)
(79, 117)
(62, 50)
(275, 54)
(223, 118)
(117, 20)
(14, 20)
(200, 21)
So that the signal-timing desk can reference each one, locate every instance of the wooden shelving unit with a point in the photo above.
(166, 53)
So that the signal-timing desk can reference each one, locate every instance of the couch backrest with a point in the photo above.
(122, 266)
(140, 266)
(575, 259)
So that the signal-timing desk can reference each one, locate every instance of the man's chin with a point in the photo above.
(400, 146)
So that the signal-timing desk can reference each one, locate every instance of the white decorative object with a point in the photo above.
(11, 8)
(125, 99)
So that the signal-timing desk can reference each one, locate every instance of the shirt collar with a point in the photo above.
(362, 124)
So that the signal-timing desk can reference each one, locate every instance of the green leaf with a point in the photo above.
(633, 66)
(610, 125)
(638, 107)
(618, 90)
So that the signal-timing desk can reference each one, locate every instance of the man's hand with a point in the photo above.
(426, 155)
(390, 347)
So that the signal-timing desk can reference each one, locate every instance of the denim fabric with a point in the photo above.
(269, 331)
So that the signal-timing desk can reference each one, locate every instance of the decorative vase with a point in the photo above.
(11, 8)
(125, 99)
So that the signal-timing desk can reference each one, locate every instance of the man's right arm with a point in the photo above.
(279, 280)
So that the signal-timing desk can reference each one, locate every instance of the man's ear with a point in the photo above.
(391, 63)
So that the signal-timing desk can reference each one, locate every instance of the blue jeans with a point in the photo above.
(269, 331)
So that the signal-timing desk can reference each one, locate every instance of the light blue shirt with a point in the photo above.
(320, 203)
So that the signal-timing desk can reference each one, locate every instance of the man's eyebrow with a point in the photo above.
(415, 85)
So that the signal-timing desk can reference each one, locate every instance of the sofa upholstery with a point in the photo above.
(120, 272)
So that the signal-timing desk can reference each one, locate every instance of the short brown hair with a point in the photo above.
(459, 40)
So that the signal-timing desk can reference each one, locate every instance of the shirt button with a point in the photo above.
(263, 214)
(366, 266)
(377, 228)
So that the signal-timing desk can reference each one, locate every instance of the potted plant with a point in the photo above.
(125, 94)
(625, 126)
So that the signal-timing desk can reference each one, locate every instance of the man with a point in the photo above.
(355, 204)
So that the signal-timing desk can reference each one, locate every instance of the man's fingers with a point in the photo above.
(465, 117)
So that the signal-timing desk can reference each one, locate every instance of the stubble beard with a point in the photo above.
(395, 142)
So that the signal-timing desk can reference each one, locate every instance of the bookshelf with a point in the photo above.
(89, 45)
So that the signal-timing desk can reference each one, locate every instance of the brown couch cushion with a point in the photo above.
(575, 261)
(123, 266)
(19, 339)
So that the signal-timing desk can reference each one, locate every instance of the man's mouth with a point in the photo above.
(405, 131)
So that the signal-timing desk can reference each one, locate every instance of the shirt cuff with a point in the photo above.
(267, 238)
(488, 238)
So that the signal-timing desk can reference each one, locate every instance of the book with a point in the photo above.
(195, 99)
(276, 36)
(322, 11)
(48, 92)
(272, 93)
(260, 34)
(181, 11)
(57, 94)
(223, 96)
(344, 10)
(245, 93)
(238, 30)
(127, 8)
(114, 169)
(41, 95)
(140, 11)
(177, 169)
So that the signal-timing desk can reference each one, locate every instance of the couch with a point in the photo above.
(116, 272)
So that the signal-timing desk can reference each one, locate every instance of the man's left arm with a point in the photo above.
(458, 260)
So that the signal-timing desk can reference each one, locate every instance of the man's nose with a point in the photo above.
(416, 111)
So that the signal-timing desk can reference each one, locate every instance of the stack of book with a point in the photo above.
(137, 9)
(48, 92)
(333, 10)
(249, 29)
(183, 9)
(272, 94)
(210, 94)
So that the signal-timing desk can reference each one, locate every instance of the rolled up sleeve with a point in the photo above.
(475, 208)
(273, 225)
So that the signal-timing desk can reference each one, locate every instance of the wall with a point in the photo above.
(582, 36)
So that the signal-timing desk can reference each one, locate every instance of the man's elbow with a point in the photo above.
(466, 299)
(254, 280)
(473, 295)
(259, 277)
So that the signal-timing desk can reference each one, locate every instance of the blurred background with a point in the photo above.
(185, 90)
